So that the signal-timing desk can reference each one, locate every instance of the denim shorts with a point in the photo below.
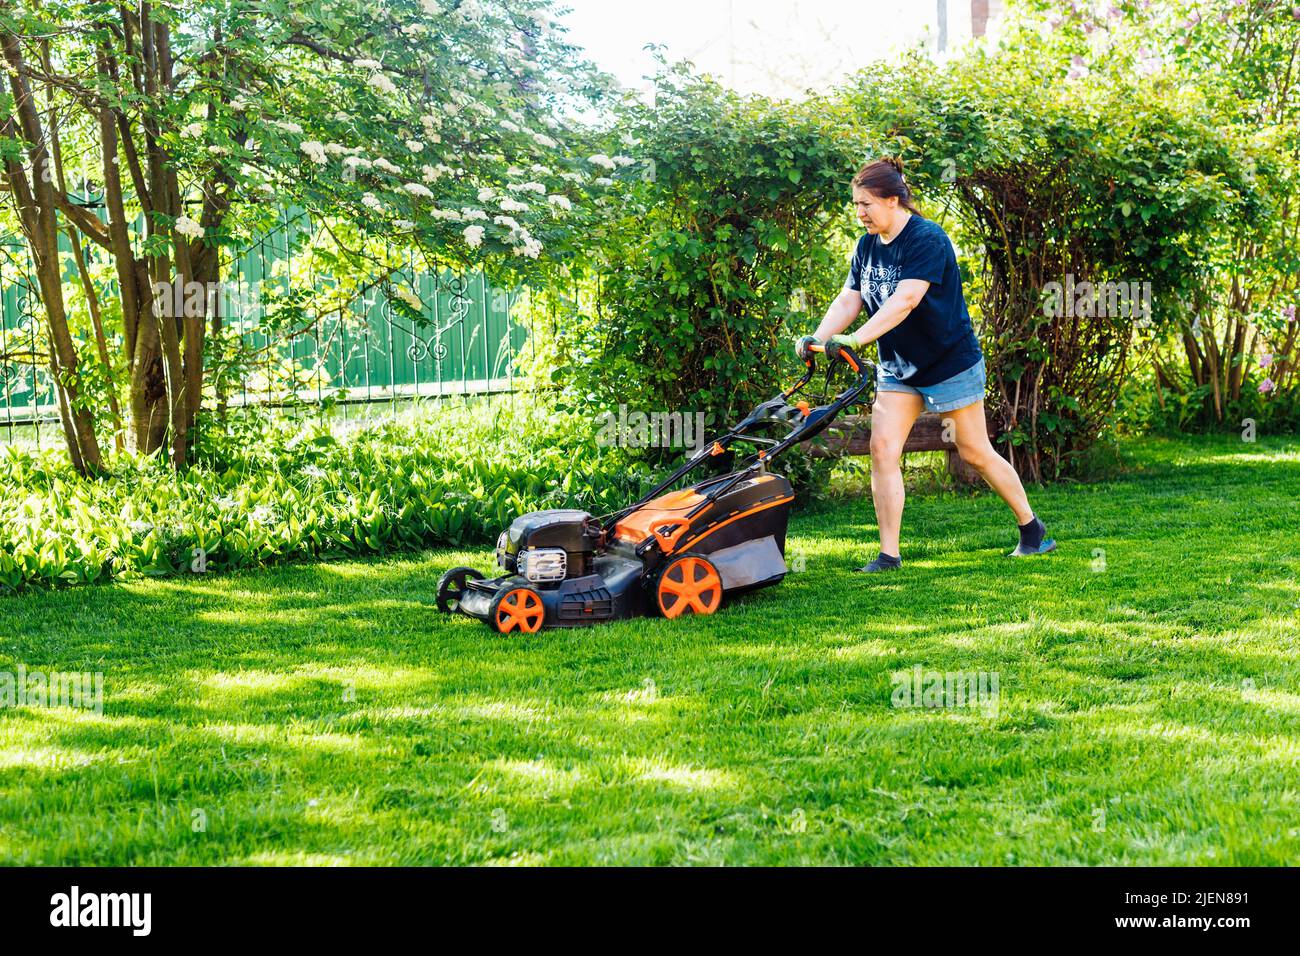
(964, 388)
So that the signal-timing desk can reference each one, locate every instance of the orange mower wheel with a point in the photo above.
(519, 609)
(689, 584)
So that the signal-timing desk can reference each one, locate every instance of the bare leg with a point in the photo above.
(975, 449)
(892, 417)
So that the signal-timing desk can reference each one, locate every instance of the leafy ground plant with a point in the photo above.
(447, 474)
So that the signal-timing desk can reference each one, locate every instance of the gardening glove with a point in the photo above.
(801, 346)
(848, 340)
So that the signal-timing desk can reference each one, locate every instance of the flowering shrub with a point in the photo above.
(446, 127)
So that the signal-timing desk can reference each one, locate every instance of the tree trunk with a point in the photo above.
(38, 211)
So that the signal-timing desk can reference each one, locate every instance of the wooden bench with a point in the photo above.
(851, 435)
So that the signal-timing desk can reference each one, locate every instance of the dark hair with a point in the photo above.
(884, 178)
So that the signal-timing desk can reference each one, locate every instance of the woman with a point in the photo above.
(904, 271)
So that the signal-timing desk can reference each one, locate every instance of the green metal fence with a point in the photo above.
(464, 342)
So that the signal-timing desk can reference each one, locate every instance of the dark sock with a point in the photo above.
(1031, 534)
(883, 562)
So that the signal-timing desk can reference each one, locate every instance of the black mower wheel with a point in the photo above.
(452, 585)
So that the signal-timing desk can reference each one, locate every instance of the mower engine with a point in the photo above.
(546, 547)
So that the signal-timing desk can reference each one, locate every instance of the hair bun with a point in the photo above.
(895, 162)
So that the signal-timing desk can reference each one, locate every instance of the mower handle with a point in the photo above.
(834, 351)
(814, 421)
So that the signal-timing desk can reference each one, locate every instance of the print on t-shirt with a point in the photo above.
(879, 281)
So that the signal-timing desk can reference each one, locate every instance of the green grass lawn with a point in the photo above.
(1148, 710)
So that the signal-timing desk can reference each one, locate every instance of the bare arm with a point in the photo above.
(843, 310)
(896, 308)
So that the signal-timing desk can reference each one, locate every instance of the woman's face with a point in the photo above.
(874, 212)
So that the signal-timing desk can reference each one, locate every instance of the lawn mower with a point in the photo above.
(672, 552)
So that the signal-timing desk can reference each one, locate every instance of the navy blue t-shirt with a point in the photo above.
(936, 340)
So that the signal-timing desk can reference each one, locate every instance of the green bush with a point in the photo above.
(441, 475)
(1049, 177)
(733, 240)
(1160, 406)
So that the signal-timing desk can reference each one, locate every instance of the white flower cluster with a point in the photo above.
(386, 166)
(601, 160)
(417, 190)
(382, 84)
(527, 188)
(263, 514)
(433, 173)
(520, 239)
(409, 297)
(193, 130)
(188, 227)
(531, 247)
(315, 151)
(471, 11)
